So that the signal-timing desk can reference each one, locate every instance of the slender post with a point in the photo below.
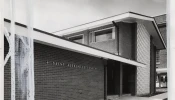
(31, 46)
(105, 78)
(171, 49)
(121, 79)
(1, 50)
(105, 93)
(12, 28)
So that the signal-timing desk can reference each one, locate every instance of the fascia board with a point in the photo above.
(92, 24)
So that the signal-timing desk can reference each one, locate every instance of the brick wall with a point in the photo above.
(163, 53)
(143, 55)
(83, 80)
(163, 59)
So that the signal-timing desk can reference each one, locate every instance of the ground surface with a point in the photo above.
(161, 94)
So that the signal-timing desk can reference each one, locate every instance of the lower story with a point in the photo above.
(61, 74)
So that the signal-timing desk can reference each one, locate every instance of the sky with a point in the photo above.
(55, 15)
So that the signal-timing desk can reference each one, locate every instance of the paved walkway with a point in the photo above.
(160, 96)
(156, 97)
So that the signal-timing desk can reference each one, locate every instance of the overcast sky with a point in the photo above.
(54, 15)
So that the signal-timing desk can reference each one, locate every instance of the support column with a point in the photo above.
(171, 49)
(105, 79)
(121, 79)
(12, 46)
(23, 64)
(1, 50)
(31, 87)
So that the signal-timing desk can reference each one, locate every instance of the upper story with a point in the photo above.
(117, 34)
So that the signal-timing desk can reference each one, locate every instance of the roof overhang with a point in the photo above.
(53, 40)
(130, 17)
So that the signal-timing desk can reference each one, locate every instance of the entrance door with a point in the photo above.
(129, 79)
(121, 78)
(113, 78)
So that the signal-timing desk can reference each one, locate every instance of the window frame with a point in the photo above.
(93, 40)
(74, 36)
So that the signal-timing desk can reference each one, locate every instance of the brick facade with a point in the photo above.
(66, 75)
(83, 80)
(127, 42)
(163, 59)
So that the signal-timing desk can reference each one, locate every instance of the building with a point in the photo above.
(111, 56)
(161, 58)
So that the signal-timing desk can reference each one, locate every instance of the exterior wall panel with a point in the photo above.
(143, 55)
(125, 40)
(108, 46)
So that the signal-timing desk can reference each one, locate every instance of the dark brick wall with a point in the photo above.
(53, 81)
(163, 53)
(7, 75)
(85, 81)
(161, 21)
(163, 59)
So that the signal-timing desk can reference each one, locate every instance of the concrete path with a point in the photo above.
(159, 96)
(156, 97)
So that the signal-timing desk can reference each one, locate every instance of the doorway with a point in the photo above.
(113, 78)
(121, 78)
(129, 79)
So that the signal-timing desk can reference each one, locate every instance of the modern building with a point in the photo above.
(161, 57)
(111, 56)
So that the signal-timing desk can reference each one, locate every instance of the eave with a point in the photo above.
(131, 17)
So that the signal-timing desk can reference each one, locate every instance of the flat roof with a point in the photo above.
(148, 21)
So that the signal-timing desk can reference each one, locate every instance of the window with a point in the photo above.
(103, 35)
(158, 57)
(78, 39)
